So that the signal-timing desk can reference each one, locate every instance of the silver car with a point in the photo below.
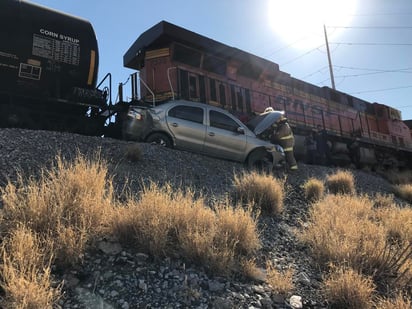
(204, 129)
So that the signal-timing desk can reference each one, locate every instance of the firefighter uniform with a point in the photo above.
(283, 136)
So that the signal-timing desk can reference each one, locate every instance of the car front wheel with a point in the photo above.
(260, 160)
(160, 139)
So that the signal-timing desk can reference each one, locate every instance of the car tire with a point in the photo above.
(160, 139)
(260, 160)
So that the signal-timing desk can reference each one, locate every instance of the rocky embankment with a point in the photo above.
(116, 277)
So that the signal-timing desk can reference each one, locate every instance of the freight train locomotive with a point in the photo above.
(48, 80)
(176, 63)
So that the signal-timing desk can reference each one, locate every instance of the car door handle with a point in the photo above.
(211, 133)
(174, 124)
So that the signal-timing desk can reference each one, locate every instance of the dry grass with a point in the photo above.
(398, 177)
(398, 302)
(165, 222)
(281, 282)
(396, 221)
(348, 230)
(251, 271)
(25, 271)
(69, 204)
(346, 288)
(263, 191)
(383, 200)
(404, 191)
(314, 189)
(133, 152)
(341, 182)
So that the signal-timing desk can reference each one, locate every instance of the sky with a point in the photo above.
(370, 41)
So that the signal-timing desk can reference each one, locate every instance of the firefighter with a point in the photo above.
(283, 136)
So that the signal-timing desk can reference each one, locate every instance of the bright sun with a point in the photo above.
(300, 22)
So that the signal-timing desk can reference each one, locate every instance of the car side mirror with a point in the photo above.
(240, 130)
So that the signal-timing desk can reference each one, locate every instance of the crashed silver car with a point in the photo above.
(204, 129)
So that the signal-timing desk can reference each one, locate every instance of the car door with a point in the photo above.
(186, 124)
(222, 137)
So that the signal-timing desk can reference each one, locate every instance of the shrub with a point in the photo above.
(265, 192)
(397, 223)
(338, 229)
(314, 189)
(345, 229)
(382, 200)
(398, 177)
(399, 302)
(346, 288)
(281, 282)
(250, 270)
(404, 191)
(133, 152)
(68, 204)
(341, 182)
(166, 221)
(25, 271)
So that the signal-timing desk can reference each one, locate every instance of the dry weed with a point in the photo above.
(399, 302)
(398, 177)
(69, 203)
(133, 152)
(314, 189)
(346, 288)
(341, 182)
(264, 191)
(404, 191)
(25, 271)
(281, 282)
(251, 271)
(166, 221)
(383, 200)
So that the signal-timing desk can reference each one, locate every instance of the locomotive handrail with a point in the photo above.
(170, 82)
(108, 75)
(150, 90)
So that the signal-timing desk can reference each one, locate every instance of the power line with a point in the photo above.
(372, 44)
(307, 53)
(383, 89)
(369, 69)
(371, 27)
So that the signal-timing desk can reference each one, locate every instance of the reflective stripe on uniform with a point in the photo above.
(288, 149)
(287, 136)
(294, 167)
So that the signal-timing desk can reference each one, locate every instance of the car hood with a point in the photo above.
(263, 121)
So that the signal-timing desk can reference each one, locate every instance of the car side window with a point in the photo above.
(190, 113)
(222, 121)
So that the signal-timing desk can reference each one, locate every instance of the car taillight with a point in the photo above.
(135, 115)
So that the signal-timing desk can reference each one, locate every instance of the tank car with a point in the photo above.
(174, 62)
(48, 69)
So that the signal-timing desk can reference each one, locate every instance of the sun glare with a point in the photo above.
(300, 22)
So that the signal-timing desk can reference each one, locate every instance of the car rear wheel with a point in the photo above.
(160, 139)
(260, 160)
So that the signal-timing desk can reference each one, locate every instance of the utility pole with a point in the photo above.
(329, 59)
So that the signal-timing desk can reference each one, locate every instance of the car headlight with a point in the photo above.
(279, 148)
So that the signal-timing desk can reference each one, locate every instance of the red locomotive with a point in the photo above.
(177, 63)
(48, 77)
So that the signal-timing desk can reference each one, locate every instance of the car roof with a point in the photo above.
(194, 104)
